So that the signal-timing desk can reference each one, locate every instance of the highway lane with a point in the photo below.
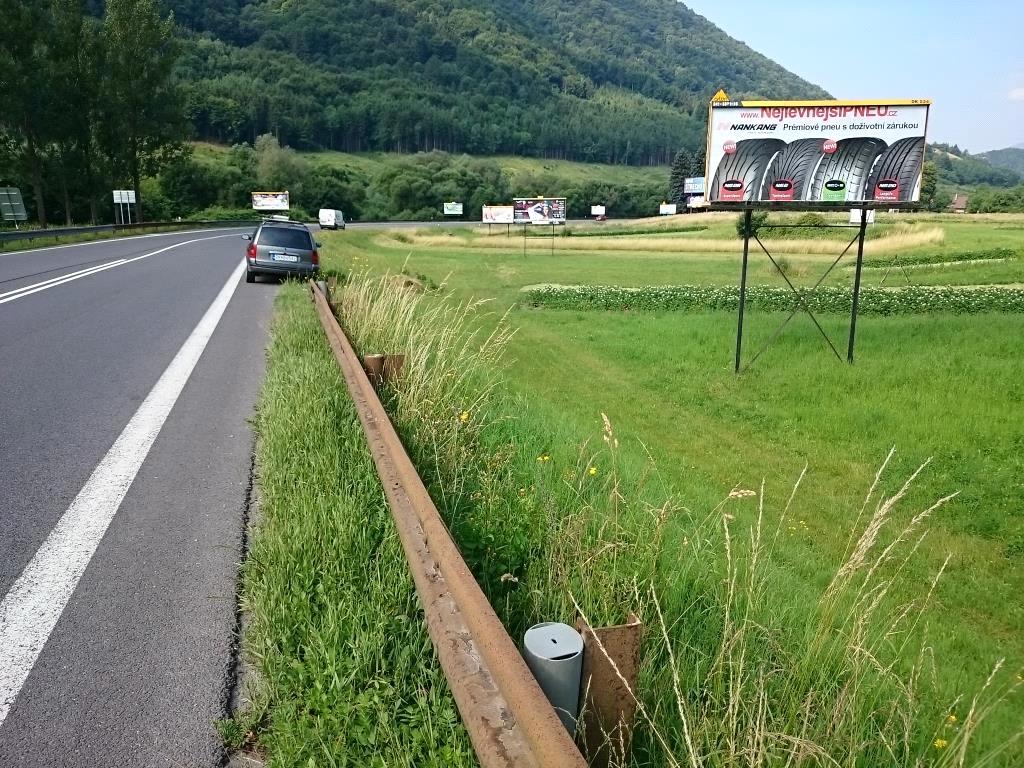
(137, 665)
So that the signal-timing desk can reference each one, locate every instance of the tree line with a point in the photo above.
(217, 184)
(89, 103)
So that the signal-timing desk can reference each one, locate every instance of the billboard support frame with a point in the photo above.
(801, 299)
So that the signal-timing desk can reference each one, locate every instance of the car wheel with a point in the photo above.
(250, 276)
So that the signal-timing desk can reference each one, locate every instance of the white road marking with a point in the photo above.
(63, 278)
(109, 240)
(37, 599)
(28, 290)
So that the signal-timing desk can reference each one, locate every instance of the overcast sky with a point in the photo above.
(968, 57)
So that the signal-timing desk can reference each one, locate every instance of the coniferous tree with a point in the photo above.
(676, 181)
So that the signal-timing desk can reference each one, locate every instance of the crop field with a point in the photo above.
(639, 398)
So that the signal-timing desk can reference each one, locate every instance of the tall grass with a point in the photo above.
(897, 241)
(345, 670)
(735, 671)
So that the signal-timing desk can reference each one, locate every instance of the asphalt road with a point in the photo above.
(125, 447)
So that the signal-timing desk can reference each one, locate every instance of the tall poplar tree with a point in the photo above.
(25, 108)
(141, 125)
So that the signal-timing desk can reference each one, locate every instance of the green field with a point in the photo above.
(936, 386)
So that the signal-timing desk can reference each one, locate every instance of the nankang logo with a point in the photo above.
(753, 127)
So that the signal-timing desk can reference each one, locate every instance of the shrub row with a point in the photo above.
(942, 258)
(826, 299)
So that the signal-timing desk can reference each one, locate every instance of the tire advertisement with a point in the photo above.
(816, 151)
(540, 210)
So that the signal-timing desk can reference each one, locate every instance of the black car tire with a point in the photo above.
(747, 164)
(902, 162)
(250, 276)
(795, 163)
(851, 163)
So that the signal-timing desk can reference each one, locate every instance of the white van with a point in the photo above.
(331, 219)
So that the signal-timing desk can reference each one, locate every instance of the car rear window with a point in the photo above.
(279, 237)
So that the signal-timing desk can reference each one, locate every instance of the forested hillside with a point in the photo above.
(1011, 158)
(595, 80)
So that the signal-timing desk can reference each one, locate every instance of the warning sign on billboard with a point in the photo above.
(808, 151)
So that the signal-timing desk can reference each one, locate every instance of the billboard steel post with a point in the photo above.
(747, 215)
(856, 282)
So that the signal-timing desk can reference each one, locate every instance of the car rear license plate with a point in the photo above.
(283, 257)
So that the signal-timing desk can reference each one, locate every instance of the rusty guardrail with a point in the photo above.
(509, 720)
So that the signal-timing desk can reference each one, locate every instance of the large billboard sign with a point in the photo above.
(539, 210)
(667, 209)
(270, 201)
(816, 151)
(452, 209)
(499, 214)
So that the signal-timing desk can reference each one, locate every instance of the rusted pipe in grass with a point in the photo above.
(507, 716)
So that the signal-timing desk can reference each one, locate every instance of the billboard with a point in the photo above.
(270, 201)
(597, 210)
(667, 209)
(816, 151)
(453, 209)
(539, 210)
(124, 196)
(694, 186)
(499, 214)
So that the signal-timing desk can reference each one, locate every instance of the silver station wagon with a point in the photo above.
(283, 248)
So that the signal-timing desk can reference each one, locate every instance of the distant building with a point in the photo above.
(959, 204)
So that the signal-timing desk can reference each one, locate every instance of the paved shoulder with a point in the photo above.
(135, 670)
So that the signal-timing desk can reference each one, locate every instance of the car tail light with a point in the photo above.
(251, 251)
(316, 258)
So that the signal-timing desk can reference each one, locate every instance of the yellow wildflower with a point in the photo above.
(941, 743)
(543, 457)
(464, 417)
(951, 718)
(592, 471)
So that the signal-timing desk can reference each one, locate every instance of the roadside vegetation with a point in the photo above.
(341, 654)
(810, 597)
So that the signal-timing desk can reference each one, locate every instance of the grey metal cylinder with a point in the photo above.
(554, 653)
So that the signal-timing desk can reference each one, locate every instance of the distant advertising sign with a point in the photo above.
(499, 214)
(453, 209)
(597, 210)
(828, 151)
(539, 210)
(667, 209)
(124, 196)
(270, 201)
(694, 186)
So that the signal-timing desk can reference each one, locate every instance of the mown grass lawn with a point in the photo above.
(942, 387)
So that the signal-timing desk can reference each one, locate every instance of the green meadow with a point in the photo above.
(805, 604)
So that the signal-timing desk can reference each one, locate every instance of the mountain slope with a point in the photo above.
(1011, 158)
(617, 82)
